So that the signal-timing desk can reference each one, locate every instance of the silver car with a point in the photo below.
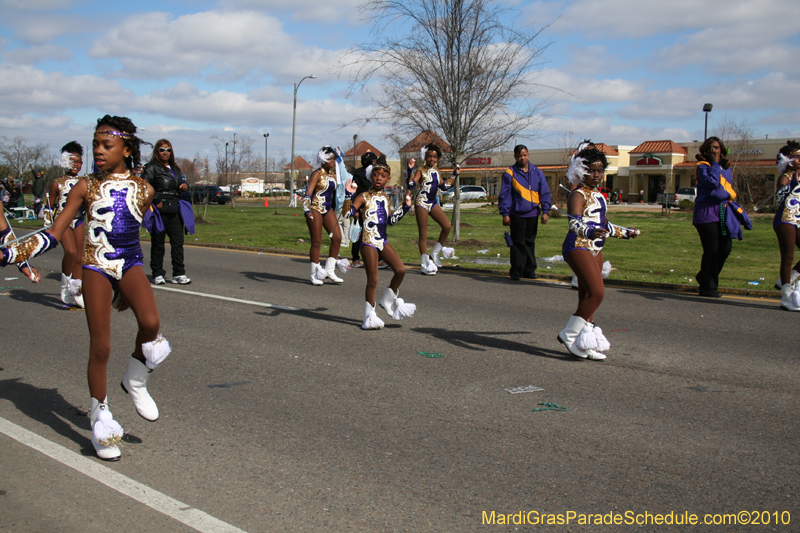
(468, 192)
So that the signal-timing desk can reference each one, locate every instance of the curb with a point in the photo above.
(689, 290)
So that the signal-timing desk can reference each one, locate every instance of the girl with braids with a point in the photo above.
(583, 251)
(115, 202)
(319, 206)
(430, 183)
(787, 223)
(74, 235)
(374, 206)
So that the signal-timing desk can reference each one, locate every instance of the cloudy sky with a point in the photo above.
(628, 70)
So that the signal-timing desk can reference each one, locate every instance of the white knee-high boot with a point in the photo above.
(579, 339)
(437, 250)
(395, 306)
(330, 269)
(790, 297)
(317, 274)
(371, 320)
(428, 267)
(106, 432)
(134, 382)
(66, 295)
(794, 275)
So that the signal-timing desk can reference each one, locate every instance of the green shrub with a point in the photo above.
(686, 205)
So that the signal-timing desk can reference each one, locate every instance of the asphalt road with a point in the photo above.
(297, 420)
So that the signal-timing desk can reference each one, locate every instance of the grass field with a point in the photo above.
(667, 252)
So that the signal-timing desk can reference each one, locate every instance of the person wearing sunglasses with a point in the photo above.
(165, 177)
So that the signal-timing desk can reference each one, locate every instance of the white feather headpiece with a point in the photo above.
(323, 157)
(577, 166)
(783, 163)
(422, 152)
(66, 160)
(368, 172)
(577, 170)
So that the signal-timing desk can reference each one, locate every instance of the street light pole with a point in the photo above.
(355, 136)
(226, 163)
(706, 109)
(266, 156)
(294, 123)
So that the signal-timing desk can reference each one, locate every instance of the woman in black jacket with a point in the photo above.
(165, 177)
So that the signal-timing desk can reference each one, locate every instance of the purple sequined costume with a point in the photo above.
(788, 204)
(64, 184)
(322, 199)
(114, 207)
(582, 228)
(376, 216)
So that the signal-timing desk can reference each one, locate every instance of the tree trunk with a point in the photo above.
(456, 221)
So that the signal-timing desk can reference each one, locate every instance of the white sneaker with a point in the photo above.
(180, 280)
(159, 280)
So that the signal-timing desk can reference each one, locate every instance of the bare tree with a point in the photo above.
(455, 67)
(16, 154)
(738, 136)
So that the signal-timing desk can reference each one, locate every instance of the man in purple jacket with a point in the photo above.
(523, 193)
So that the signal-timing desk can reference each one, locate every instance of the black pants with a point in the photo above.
(173, 227)
(523, 252)
(716, 249)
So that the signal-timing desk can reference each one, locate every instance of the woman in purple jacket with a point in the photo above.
(523, 193)
(714, 191)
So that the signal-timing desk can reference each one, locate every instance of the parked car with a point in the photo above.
(684, 193)
(201, 194)
(468, 192)
(606, 192)
(277, 191)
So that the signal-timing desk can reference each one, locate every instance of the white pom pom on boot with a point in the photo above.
(371, 320)
(76, 291)
(66, 295)
(602, 343)
(317, 274)
(427, 266)
(106, 432)
(790, 297)
(134, 382)
(395, 306)
(330, 270)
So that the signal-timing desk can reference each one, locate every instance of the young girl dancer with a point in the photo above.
(7, 235)
(73, 238)
(583, 251)
(320, 210)
(115, 202)
(375, 209)
(430, 182)
(787, 222)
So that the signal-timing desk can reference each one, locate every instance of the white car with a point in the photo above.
(468, 192)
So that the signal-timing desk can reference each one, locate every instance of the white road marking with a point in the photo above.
(171, 507)
(237, 300)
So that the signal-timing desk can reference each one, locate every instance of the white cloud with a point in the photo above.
(40, 28)
(636, 19)
(301, 10)
(603, 129)
(37, 54)
(587, 90)
(34, 5)
(24, 89)
(753, 48)
(215, 44)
